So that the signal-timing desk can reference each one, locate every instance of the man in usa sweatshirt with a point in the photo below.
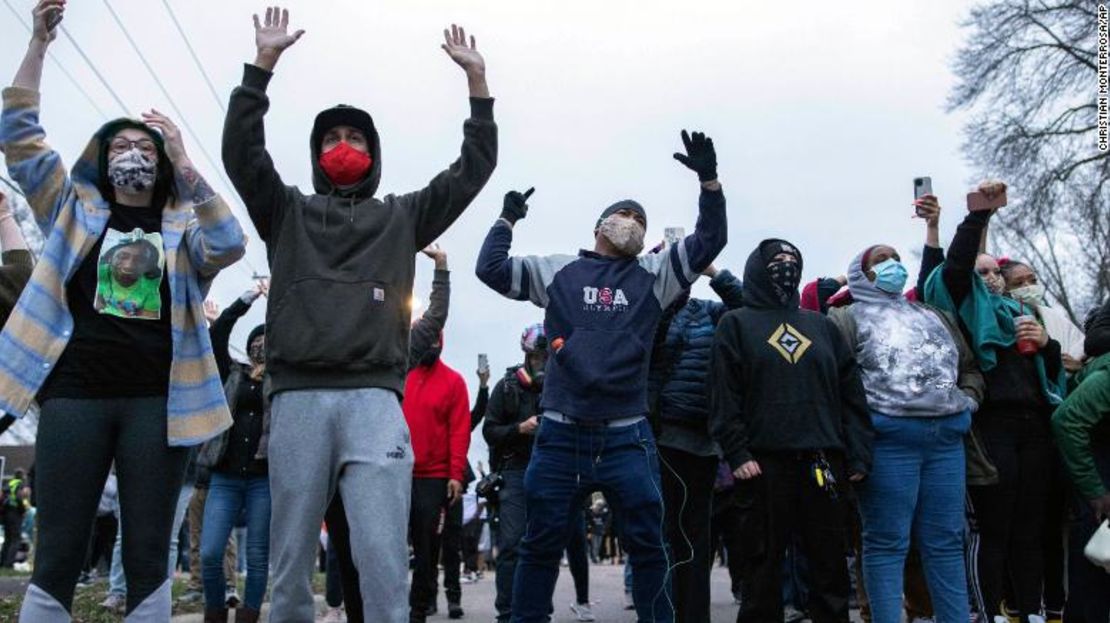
(602, 308)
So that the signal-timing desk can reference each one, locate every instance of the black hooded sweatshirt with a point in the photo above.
(343, 261)
(783, 378)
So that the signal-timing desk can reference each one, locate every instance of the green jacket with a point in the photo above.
(1084, 415)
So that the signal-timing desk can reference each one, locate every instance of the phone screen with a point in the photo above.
(483, 363)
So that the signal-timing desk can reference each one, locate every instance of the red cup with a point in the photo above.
(1027, 347)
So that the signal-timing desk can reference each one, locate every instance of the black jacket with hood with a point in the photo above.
(342, 260)
(783, 378)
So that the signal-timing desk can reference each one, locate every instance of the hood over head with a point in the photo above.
(342, 114)
(96, 155)
(863, 289)
(759, 292)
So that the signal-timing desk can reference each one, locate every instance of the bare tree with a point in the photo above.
(1028, 75)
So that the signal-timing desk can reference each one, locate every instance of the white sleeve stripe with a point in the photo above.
(684, 261)
(514, 289)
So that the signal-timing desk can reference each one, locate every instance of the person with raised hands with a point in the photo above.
(337, 378)
(602, 308)
(113, 384)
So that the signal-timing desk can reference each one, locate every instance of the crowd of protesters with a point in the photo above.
(939, 451)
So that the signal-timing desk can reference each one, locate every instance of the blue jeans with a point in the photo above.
(568, 461)
(228, 498)
(917, 486)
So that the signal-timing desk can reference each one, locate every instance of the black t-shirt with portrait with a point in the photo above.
(120, 300)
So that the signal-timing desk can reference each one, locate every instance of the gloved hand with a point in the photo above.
(700, 157)
(516, 205)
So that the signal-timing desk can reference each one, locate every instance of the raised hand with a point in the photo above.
(928, 208)
(46, 16)
(171, 135)
(700, 156)
(272, 37)
(437, 253)
(211, 311)
(516, 205)
(466, 56)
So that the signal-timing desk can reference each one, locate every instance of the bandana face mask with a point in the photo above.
(623, 233)
(785, 277)
(132, 171)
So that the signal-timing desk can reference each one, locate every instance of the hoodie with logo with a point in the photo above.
(784, 378)
(342, 259)
(602, 312)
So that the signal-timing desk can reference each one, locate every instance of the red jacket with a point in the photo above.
(437, 409)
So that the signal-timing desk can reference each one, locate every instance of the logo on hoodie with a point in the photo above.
(604, 299)
(789, 342)
(397, 453)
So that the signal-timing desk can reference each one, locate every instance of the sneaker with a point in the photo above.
(469, 578)
(85, 579)
(114, 603)
(454, 610)
(231, 597)
(1036, 618)
(332, 615)
(190, 596)
(629, 603)
(582, 612)
(790, 614)
(736, 598)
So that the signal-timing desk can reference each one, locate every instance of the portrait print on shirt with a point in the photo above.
(129, 275)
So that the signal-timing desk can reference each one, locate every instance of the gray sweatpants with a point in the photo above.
(356, 440)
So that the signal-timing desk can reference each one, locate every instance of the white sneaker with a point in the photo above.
(231, 597)
(115, 603)
(583, 612)
(1036, 618)
(333, 615)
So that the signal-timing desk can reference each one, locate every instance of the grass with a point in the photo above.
(86, 602)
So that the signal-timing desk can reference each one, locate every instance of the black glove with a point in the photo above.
(516, 205)
(700, 156)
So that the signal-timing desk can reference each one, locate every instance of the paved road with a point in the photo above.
(606, 592)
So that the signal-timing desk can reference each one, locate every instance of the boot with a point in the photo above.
(246, 615)
(219, 615)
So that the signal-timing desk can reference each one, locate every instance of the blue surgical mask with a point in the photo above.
(890, 276)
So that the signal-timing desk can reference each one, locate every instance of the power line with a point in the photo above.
(62, 67)
(92, 66)
(196, 59)
(173, 104)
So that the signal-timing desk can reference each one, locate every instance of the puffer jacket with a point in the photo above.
(679, 369)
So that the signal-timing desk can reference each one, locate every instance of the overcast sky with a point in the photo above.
(822, 113)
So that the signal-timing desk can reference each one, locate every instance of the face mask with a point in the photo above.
(624, 233)
(890, 276)
(257, 352)
(431, 355)
(785, 277)
(344, 165)
(1032, 294)
(132, 171)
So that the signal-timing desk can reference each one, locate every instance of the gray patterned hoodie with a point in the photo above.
(909, 358)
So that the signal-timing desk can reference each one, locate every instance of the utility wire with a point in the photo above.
(96, 71)
(196, 59)
(62, 67)
(173, 104)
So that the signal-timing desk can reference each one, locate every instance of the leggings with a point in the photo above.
(1008, 518)
(78, 439)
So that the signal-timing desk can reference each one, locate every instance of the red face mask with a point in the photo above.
(344, 165)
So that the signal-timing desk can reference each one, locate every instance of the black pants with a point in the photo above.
(339, 533)
(1088, 585)
(785, 501)
(76, 444)
(472, 536)
(725, 529)
(13, 536)
(101, 544)
(687, 502)
(578, 558)
(450, 542)
(429, 498)
(333, 579)
(1008, 518)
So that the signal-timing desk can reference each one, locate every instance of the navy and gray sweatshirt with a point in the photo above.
(602, 311)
